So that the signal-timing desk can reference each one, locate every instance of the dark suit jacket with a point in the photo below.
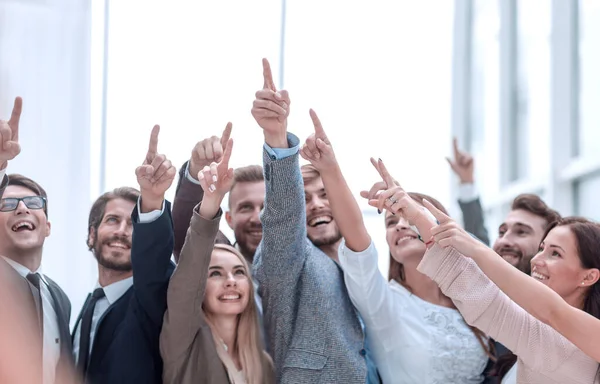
(62, 308)
(126, 344)
(473, 220)
(187, 196)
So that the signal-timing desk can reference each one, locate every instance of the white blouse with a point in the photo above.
(412, 340)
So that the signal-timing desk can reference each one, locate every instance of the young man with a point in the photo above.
(314, 332)
(116, 337)
(24, 227)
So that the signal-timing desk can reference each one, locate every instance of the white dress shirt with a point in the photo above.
(51, 348)
(112, 292)
(412, 341)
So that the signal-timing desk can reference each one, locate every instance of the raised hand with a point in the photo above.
(9, 135)
(209, 151)
(449, 234)
(394, 198)
(317, 148)
(216, 180)
(271, 109)
(463, 164)
(155, 175)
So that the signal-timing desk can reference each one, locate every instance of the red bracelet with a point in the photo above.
(429, 243)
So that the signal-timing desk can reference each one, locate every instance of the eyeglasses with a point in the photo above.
(32, 202)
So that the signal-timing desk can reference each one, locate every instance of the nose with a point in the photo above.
(316, 203)
(255, 215)
(538, 260)
(505, 241)
(402, 224)
(230, 281)
(21, 208)
(124, 229)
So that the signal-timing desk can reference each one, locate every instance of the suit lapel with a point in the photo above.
(87, 299)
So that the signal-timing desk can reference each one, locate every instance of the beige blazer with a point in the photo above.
(187, 346)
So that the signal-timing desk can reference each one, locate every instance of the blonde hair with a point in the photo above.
(309, 173)
(248, 345)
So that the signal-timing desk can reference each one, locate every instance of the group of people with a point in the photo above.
(298, 296)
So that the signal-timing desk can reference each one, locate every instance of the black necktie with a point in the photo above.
(34, 279)
(85, 330)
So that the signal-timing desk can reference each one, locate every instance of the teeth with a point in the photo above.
(118, 245)
(22, 224)
(230, 297)
(405, 238)
(316, 220)
(538, 276)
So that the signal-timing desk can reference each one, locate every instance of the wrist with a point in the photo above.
(467, 180)
(277, 140)
(150, 203)
(3, 165)
(194, 169)
(209, 208)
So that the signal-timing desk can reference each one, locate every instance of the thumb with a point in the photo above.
(453, 165)
(364, 194)
(144, 171)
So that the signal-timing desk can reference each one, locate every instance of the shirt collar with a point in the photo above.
(21, 269)
(114, 291)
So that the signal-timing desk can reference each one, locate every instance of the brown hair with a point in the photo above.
(587, 238)
(248, 174)
(18, 180)
(396, 273)
(99, 206)
(535, 205)
(309, 173)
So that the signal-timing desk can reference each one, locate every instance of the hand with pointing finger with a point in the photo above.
(208, 151)
(317, 149)
(449, 234)
(271, 109)
(463, 164)
(154, 176)
(216, 180)
(9, 135)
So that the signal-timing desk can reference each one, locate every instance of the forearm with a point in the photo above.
(346, 211)
(188, 195)
(533, 296)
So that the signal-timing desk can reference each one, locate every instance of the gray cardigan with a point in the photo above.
(313, 329)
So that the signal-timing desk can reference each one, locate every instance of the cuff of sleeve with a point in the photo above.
(282, 153)
(355, 263)
(441, 264)
(189, 176)
(149, 217)
(467, 193)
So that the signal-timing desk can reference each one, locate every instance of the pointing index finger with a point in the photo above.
(456, 150)
(268, 76)
(319, 131)
(227, 154)
(384, 173)
(226, 134)
(153, 145)
(15, 118)
(440, 216)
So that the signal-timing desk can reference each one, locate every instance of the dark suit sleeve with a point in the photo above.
(187, 196)
(151, 249)
(474, 221)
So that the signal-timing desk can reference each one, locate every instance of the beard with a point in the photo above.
(328, 239)
(102, 255)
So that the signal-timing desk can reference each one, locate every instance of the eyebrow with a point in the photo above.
(219, 267)
(556, 246)
(517, 224)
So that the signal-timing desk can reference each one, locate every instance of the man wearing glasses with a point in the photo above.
(24, 227)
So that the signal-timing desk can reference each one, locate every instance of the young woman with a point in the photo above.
(211, 329)
(415, 333)
(566, 263)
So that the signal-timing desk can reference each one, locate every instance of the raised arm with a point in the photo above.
(9, 141)
(283, 248)
(184, 314)
(463, 166)
(189, 193)
(481, 302)
(345, 209)
(152, 241)
(539, 300)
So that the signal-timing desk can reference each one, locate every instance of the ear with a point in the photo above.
(91, 238)
(229, 219)
(48, 227)
(591, 277)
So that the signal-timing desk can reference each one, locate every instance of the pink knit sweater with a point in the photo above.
(545, 356)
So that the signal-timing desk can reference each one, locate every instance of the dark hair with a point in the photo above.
(535, 205)
(247, 174)
(396, 273)
(18, 180)
(99, 206)
(587, 238)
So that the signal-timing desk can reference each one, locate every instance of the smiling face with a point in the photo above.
(22, 230)
(111, 242)
(558, 265)
(246, 200)
(404, 243)
(519, 237)
(322, 230)
(228, 288)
